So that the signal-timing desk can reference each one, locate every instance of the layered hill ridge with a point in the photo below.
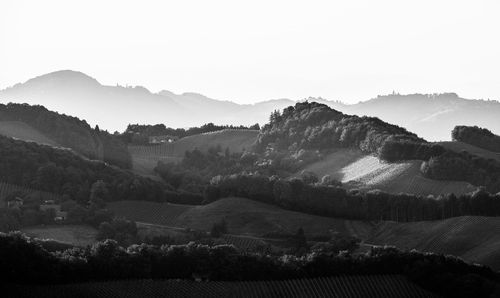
(431, 116)
(40, 125)
(75, 93)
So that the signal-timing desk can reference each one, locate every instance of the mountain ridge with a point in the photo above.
(431, 116)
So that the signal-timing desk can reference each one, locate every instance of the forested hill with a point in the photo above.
(69, 132)
(301, 134)
(311, 125)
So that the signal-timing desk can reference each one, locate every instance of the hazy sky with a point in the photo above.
(257, 50)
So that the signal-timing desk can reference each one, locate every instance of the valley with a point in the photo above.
(262, 202)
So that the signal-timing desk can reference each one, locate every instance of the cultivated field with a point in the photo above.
(150, 212)
(460, 146)
(473, 238)
(79, 235)
(7, 189)
(145, 158)
(358, 170)
(247, 217)
(22, 131)
(338, 286)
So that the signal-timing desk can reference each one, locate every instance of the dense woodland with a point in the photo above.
(70, 132)
(479, 137)
(139, 134)
(25, 261)
(310, 125)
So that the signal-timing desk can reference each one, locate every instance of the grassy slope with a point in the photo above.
(22, 131)
(338, 286)
(243, 216)
(145, 158)
(79, 235)
(150, 212)
(474, 238)
(363, 171)
(460, 146)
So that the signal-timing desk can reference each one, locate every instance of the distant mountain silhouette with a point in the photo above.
(114, 107)
(432, 117)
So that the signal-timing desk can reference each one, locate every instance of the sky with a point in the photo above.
(249, 51)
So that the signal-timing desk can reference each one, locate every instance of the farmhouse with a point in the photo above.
(49, 204)
(162, 139)
(16, 202)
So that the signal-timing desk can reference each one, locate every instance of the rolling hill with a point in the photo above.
(356, 169)
(338, 286)
(243, 216)
(473, 238)
(146, 157)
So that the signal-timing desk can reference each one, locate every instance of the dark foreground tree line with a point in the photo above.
(334, 201)
(23, 261)
(70, 132)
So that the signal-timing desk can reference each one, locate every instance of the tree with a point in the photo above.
(218, 229)
(300, 240)
(77, 215)
(99, 194)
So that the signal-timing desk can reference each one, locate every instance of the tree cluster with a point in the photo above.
(123, 231)
(476, 136)
(335, 201)
(464, 166)
(196, 169)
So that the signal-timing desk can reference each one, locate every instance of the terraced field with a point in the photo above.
(79, 235)
(6, 189)
(244, 242)
(145, 158)
(338, 286)
(22, 131)
(358, 170)
(149, 212)
(474, 238)
(460, 146)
